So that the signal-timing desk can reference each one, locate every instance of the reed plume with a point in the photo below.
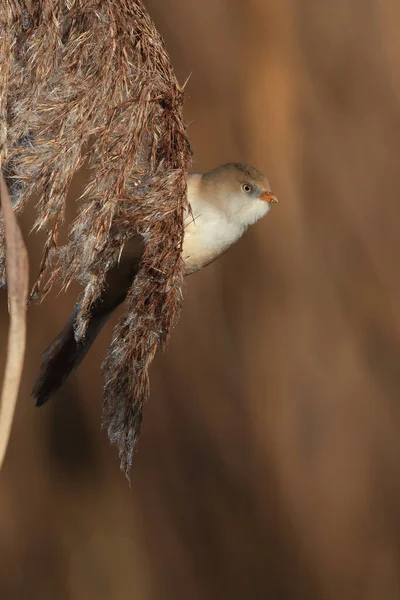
(90, 81)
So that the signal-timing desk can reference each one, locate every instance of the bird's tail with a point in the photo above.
(64, 354)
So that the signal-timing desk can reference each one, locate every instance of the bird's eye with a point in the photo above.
(246, 187)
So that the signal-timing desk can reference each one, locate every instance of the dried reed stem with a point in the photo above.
(17, 288)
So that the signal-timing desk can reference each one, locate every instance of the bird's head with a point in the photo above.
(241, 191)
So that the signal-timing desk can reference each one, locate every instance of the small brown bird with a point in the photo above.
(224, 203)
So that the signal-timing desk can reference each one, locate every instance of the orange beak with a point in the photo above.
(269, 197)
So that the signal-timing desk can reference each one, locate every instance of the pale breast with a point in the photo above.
(207, 236)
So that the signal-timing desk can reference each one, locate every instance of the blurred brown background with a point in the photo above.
(269, 461)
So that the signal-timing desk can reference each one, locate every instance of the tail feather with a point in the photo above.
(63, 355)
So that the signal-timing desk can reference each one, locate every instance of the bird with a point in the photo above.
(223, 203)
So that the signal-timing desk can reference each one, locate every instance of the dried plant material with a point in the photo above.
(91, 80)
(17, 289)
